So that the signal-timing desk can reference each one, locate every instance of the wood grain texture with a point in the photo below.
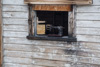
(52, 7)
(88, 24)
(21, 52)
(13, 2)
(20, 15)
(58, 1)
(16, 8)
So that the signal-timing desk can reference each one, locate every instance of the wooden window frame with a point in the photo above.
(32, 27)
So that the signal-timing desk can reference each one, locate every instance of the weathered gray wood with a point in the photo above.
(12, 21)
(42, 49)
(88, 31)
(17, 60)
(27, 50)
(20, 15)
(88, 38)
(15, 34)
(15, 8)
(18, 65)
(94, 46)
(37, 55)
(93, 9)
(16, 27)
(88, 24)
(96, 2)
(88, 16)
(21, 52)
(59, 2)
(14, 2)
(34, 61)
(24, 40)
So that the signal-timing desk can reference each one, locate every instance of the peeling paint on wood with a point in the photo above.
(21, 52)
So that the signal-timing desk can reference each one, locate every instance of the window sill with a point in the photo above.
(68, 39)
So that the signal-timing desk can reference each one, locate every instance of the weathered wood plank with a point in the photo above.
(39, 42)
(17, 8)
(52, 57)
(14, 2)
(17, 65)
(85, 51)
(18, 45)
(52, 7)
(94, 46)
(12, 21)
(58, 2)
(14, 34)
(87, 65)
(49, 63)
(20, 65)
(46, 63)
(44, 49)
(96, 2)
(16, 27)
(93, 9)
(88, 38)
(18, 60)
(20, 15)
(88, 31)
(88, 16)
(38, 55)
(88, 24)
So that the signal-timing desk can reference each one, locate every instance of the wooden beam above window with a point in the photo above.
(52, 7)
(78, 2)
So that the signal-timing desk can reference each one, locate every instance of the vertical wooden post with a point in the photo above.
(0, 33)
(30, 20)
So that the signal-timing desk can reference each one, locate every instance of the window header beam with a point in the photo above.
(77, 2)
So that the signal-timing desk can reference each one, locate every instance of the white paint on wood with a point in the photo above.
(88, 16)
(34, 48)
(15, 8)
(96, 2)
(12, 21)
(38, 55)
(90, 8)
(24, 40)
(15, 34)
(94, 46)
(21, 52)
(88, 38)
(88, 31)
(15, 27)
(14, 2)
(17, 60)
(17, 65)
(20, 15)
(88, 24)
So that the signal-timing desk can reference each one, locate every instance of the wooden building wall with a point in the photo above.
(21, 52)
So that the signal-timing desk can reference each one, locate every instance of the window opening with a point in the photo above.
(52, 23)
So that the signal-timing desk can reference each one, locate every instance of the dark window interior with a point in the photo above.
(56, 22)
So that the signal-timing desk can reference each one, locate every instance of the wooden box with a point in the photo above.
(40, 29)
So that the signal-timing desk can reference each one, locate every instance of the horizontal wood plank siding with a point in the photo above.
(88, 22)
(21, 52)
